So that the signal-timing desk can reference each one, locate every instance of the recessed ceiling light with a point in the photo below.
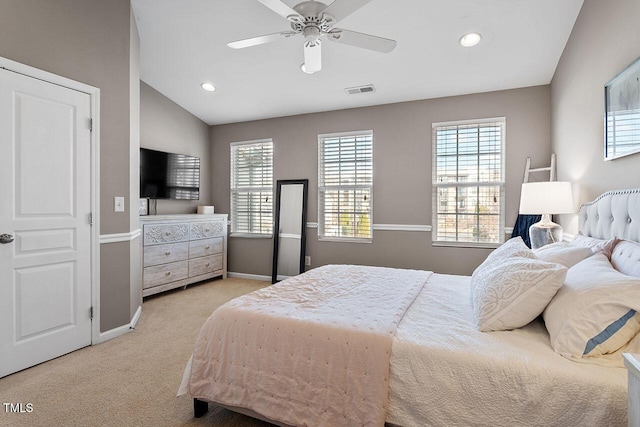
(208, 87)
(304, 69)
(470, 39)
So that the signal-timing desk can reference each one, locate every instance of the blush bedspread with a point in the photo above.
(313, 350)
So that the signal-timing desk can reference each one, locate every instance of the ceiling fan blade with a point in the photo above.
(280, 8)
(254, 41)
(366, 41)
(312, 56)
(340, 9)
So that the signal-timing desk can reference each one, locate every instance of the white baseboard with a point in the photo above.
(121, 330)
(136, 317)
(249, 276)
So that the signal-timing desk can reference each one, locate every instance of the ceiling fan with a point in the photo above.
(313, 20)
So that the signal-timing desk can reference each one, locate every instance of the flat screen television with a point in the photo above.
(169, 175)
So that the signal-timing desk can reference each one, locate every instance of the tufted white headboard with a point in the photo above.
(614, 214)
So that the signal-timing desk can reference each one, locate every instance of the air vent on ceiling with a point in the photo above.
(360, 89)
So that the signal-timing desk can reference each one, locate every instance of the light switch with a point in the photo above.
(118, 204)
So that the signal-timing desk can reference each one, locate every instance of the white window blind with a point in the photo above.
(252, 187)
(345, 186)
(468, 182)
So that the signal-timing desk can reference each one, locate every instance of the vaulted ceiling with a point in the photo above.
(184, 43)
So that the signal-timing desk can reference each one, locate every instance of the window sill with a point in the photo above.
(344, 240)
(471, 245)
(251, 235)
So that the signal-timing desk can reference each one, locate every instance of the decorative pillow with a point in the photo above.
(562, 253)
(510, 293)
(514, 247)
(595, 312)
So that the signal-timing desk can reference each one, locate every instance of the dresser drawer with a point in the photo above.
(162, 254)
(206, 229)
(155, 234)
(204, 247)
(165, 273)
(204, 265)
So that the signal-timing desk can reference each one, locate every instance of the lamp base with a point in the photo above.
(544, 232)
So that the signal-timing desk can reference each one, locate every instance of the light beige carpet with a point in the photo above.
(131, 380)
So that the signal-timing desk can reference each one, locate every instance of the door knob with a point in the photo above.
(6, 238)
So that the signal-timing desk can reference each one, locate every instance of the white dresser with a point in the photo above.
(178, 250)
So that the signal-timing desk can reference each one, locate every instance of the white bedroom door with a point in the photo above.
(45, 231)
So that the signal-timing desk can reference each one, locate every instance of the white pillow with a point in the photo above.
(514, 247)
(596, 245)
(562, 253)
(511, 292)
(595, 312)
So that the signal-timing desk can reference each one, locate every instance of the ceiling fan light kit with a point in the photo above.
(315, 20)
(304, 69)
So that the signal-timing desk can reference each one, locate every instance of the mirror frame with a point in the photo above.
(276, 227)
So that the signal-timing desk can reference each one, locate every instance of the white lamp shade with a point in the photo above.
(549, 197)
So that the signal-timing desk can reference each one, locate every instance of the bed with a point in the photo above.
(528, 339)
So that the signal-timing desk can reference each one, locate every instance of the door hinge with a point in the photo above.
(91, 312)
(91, 218)
(90, 125)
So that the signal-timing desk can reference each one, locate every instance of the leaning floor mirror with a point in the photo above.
(289, 237)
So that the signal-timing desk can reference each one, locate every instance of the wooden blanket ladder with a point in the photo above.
(551, 169)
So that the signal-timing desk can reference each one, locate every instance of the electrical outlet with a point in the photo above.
(118, 204)
(307, 261)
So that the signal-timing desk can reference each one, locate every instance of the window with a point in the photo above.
(252, 187)
(468, 182)
(345, 186)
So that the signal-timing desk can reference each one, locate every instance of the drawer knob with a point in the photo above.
(207, 247)
(167, 253)
(168, 233)
(206, 229)
(168, 273)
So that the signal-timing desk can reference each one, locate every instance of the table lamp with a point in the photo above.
(546, 199)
